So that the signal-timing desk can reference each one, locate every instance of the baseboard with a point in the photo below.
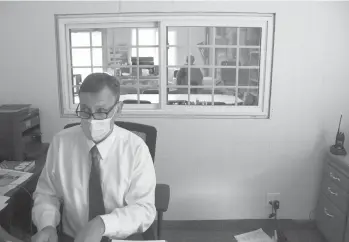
(222, 225)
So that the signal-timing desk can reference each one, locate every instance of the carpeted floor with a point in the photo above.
(224, 231)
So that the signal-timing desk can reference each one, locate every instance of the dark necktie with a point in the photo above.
(96, 204)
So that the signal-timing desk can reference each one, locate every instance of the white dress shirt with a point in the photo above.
(127, 179)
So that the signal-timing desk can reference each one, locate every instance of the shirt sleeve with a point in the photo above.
(139, 213)
(46, 207)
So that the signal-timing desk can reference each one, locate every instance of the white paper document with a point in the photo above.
(10, 179)
(3, 199)
(254, 236)
(2, 206)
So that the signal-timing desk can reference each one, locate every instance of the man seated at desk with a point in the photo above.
(103, 175)
(196, 76)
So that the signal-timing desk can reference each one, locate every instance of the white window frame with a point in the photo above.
(265, 21)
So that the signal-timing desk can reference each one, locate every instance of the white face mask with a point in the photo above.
(96, 129)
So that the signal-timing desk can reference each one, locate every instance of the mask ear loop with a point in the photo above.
(121, 104)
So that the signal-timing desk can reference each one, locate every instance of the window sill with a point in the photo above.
(165, 114)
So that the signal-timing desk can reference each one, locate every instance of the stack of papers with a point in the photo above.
(254, 236)
(3, 202)
(10, 179)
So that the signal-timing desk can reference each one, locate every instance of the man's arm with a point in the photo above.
(46, 207)
(139, 213)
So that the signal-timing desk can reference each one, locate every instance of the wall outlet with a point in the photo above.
(272, 197)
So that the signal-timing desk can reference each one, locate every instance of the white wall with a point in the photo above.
(217, 168)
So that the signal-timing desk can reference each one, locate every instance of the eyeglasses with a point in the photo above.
(97, 115)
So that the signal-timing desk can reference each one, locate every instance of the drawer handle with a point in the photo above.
(329, 215)
(333, 193)
(333, 177)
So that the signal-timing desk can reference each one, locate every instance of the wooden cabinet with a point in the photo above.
(332, 208)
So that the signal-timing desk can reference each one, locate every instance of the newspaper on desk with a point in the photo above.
(254, 236)
(10, 179)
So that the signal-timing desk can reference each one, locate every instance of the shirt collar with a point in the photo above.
(104, 146)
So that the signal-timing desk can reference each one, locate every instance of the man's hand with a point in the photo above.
(47, 234)
(92, 232)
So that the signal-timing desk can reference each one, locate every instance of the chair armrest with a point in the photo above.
(4, 236)
(162, 197)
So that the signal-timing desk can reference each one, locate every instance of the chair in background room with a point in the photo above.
(134, 101)
(151, 91)
(162, 191)
(228, 75)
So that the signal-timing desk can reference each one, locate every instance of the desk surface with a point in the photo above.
(39, 164)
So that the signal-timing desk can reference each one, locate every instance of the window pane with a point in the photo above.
(226, 36)
(146, 36)
(147, 56)
(202, 55)
(248, 77)
(118, 55)
(131, 97)
(118, 40)
(97, 70)
(249, 57)
(225, 56)
(84, 72)
(248, 96)
(178, 36)
(250, 36)
(150, 94)
(178, 96)
(172, 75)
(81, 57)
(97, 38)
(97, 56)
(228, 76)
(226, 96)
(149, 75)
(208, 79)
(199, 36)
(177, 55)
(80, 39)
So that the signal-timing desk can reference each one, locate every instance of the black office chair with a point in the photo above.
(4, 236)
(162, 191)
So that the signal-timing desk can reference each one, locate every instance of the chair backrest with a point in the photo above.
(146, 132)
(134, 101)
(151, 91)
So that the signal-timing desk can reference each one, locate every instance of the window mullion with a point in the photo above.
(189, 63)
(237, 64)
(91, 51)
(163, 65)
(213, 61)
(138, 69)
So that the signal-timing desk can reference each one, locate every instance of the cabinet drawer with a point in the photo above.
(346, 236)
(337, 177)
(28, 123)
(329, 220)
(337, 195)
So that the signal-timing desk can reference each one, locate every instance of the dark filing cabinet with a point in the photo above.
(20, 135)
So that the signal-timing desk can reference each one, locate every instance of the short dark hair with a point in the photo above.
(95, 82)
